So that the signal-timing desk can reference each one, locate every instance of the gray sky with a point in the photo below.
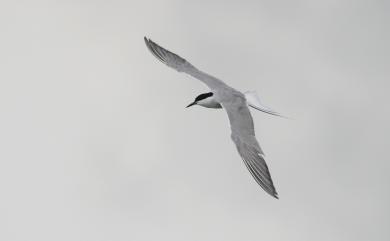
(96, 143)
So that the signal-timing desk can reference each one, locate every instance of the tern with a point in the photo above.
(236, 104)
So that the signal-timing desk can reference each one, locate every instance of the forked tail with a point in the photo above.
(254, 101)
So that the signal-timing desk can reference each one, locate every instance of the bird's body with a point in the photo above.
(237, 107)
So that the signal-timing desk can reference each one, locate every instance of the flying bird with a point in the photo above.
(236, 104)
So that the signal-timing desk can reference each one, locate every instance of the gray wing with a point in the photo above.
(178, 63)
(243, 135)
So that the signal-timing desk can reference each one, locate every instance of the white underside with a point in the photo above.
(209, 102)
(251, 97)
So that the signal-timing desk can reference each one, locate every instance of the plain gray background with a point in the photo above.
(96, 143)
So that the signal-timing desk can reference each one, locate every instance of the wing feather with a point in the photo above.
(243, 135)
(234, 102)
(181, 65)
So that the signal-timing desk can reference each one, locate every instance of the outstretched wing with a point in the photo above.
(178, 63)
(243, 135)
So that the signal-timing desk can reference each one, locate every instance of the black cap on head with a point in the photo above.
(203, 96)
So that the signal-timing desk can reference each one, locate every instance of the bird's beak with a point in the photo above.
(193, 103)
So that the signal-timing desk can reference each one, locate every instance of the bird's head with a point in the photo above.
(202, 99)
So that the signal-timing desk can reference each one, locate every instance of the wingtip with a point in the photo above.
(148, 40)
(152, 48)
(273, 193)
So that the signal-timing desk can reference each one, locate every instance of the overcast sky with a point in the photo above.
(95, 142)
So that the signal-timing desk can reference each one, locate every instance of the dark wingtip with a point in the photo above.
(148, 41)
(272, 193)
(150, 44)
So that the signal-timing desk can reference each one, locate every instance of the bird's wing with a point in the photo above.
(181, 65)
(243, 135)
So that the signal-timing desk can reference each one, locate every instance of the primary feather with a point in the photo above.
(236, 106)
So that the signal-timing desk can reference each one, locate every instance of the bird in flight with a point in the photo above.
(236, 104)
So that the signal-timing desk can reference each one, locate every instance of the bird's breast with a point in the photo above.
(210, 103)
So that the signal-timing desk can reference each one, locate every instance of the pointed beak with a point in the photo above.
(193, 103)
